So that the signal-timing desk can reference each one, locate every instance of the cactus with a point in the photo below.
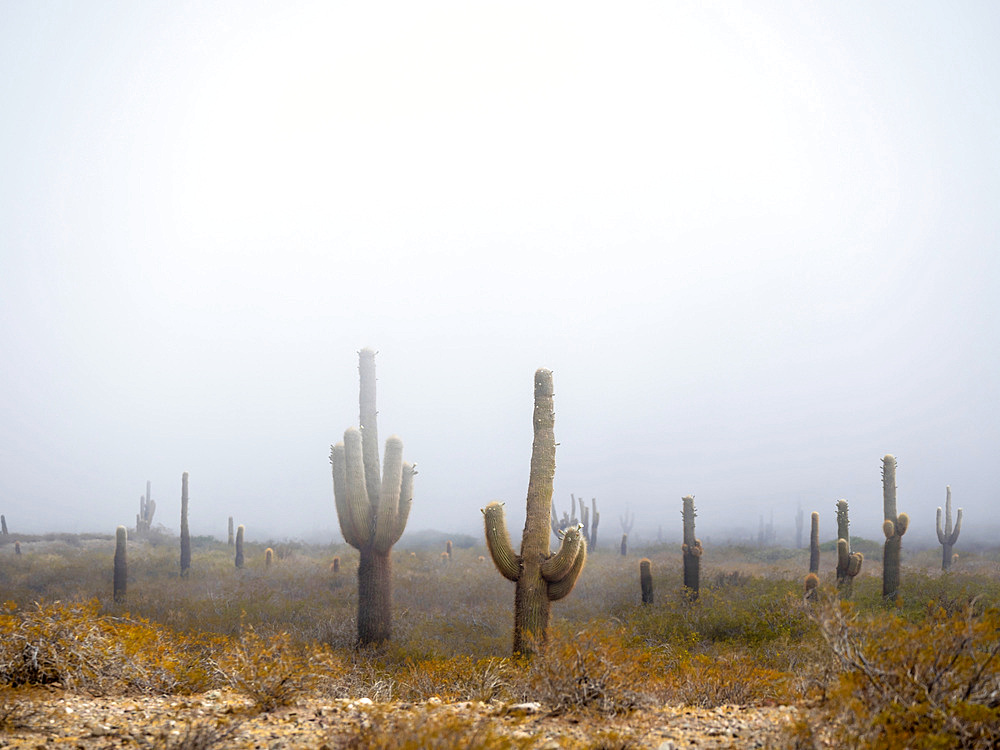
(147, 507)
(848, 563)
(814, 543)
(568, 519)
(894, 526)
(447, 548)
(624, 547)
(17, 547)
(595, 518)
(335, 565)
(232, 540)
(691, 548)
(3, 525)
(120, 564)
(185, 535)
(646, 580)
(799, 520)
(812, 585)
(584, 517)
(372, 506)
(240, 532)
(541, 577)
(948, 535)
(268, 557)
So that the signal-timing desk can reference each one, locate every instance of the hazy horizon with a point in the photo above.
(757, 246)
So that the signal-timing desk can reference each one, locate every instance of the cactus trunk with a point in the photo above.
(814, 543)
(646, 580)
(120, 564)
(691, 548)
(240, 532)
(232, 539)
(185, 534)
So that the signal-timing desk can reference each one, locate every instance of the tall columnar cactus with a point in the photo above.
(646, 580)
(848, 563)
(185, 534)
(541, 577)
(373, 506)
(3, 525)
(814, 543)
(240, 533)
(947, 536)
(121, 564)
(894, 526)
(584, 517)
(232, 540)
(691, 548)
(595, 518)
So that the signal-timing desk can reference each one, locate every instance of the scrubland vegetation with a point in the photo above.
(922, 671)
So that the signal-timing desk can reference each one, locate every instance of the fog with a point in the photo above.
(756, 244)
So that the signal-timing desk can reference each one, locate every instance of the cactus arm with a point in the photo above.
(338, 463)
(854, 564)
(388, 507)
(359, 509)
(902, 524)
(508, 562)
(958, 527)
(405, 501)
(557, 590)
(559, 565)
(889, 487)
(942, 538)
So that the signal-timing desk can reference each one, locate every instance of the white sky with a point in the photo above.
(756, 242)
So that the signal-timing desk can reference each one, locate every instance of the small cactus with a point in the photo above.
(17, 547)
(232, 539)
(691, 549)
(541, 577)
(646, 580)
(185, 534)
(812, 586)
(894, 526)
(335, 565)
(447, 547)
(814, 543)
(624, 545)
(240, 532)
(268, 557)
(947, 536)
(120, 564)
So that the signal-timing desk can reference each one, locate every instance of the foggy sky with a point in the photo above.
(756, 243)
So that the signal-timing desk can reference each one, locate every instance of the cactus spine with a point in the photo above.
(948, 535)
(814, 543)
(240, 532)
(848, 563)
(185, 535)
(691, 548)
(894, 526)
(373, 506)
(121, 564)
(232, 540)
(646, 580)
(541, 577)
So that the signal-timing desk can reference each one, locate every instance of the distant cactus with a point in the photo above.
(799, 520)
(848, 563)
(185, 534)
(894, 526)
(624, 545)
(120, 564)
(335, 565)
(240, 532)
(373, 505)
(3, 525)
(232, 539)
(147, 507)
(646, 580)
(584, 517)
(814, 543)
(17, 547)
(268, 557)
(627, 521)
(595, 518)
(447, 548)
(691, 548)
(541, 577)
(947, 536)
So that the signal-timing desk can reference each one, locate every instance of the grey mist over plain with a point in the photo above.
(757, 244)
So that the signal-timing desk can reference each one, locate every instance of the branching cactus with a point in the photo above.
(947, 536)
(121, 564)
(240, 533)
(646, 580)
(185, 534)
(147, 507)
(541, 577)
(814, 543)
(894, 526)
(373, 506)
(848, 563)
(691, 548)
